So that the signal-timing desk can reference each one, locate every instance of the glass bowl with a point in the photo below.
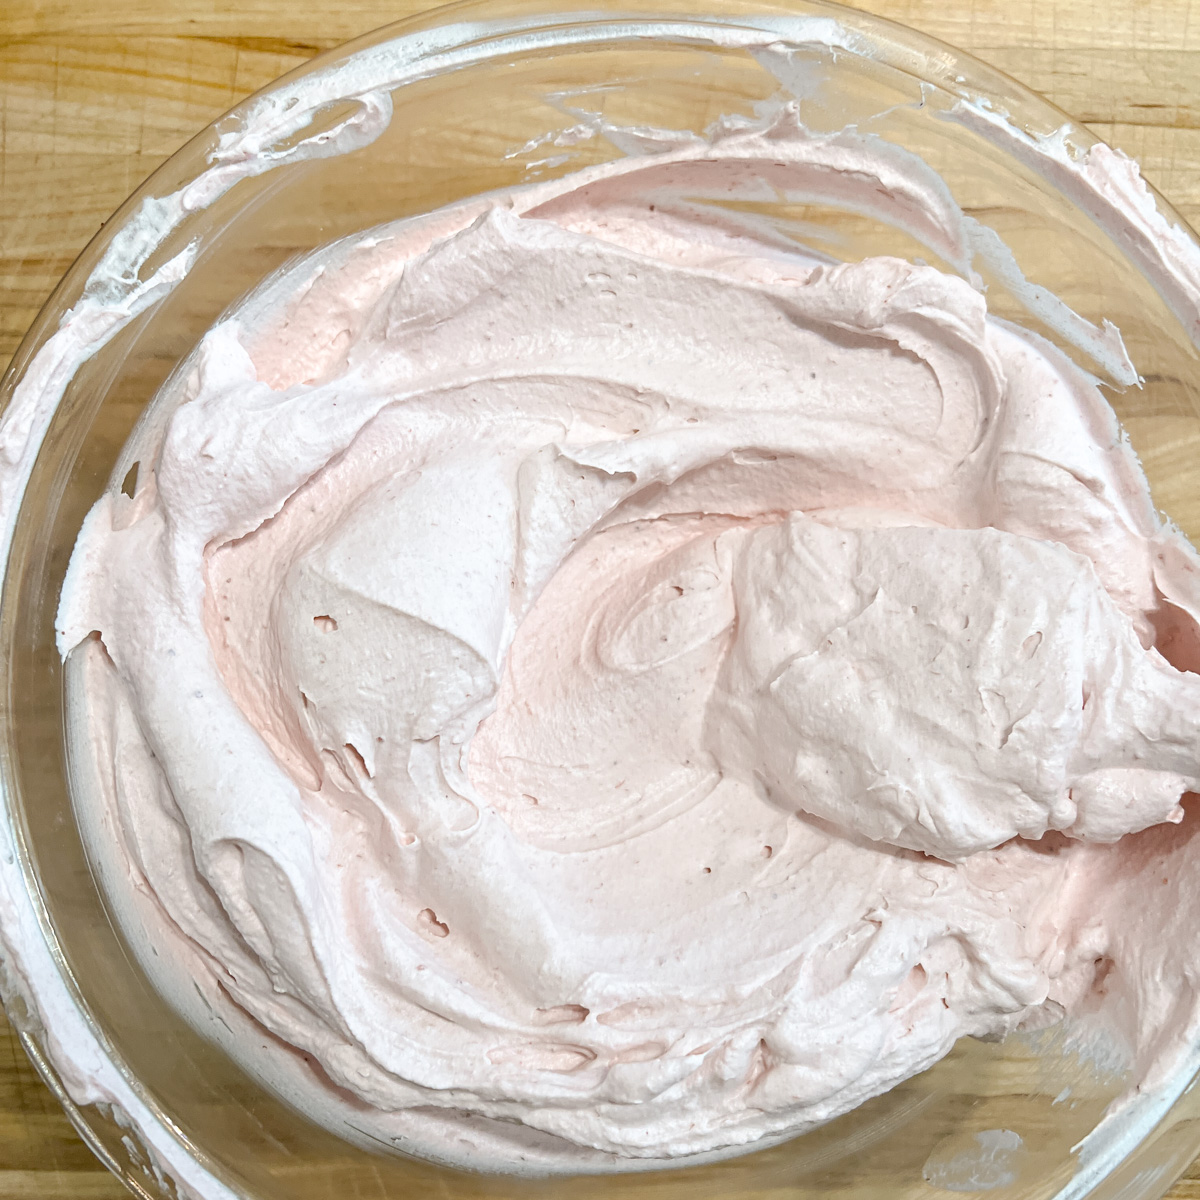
(456, 102)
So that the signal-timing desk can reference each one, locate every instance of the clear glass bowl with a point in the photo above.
(474, 90)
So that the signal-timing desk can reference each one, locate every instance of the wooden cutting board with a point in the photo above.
(94, 94)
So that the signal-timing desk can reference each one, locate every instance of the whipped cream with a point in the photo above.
(603, 688)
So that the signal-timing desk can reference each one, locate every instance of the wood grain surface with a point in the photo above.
(94, 94)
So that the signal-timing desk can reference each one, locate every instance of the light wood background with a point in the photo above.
(94, 94)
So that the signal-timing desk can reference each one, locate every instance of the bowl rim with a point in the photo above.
(42, 999)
